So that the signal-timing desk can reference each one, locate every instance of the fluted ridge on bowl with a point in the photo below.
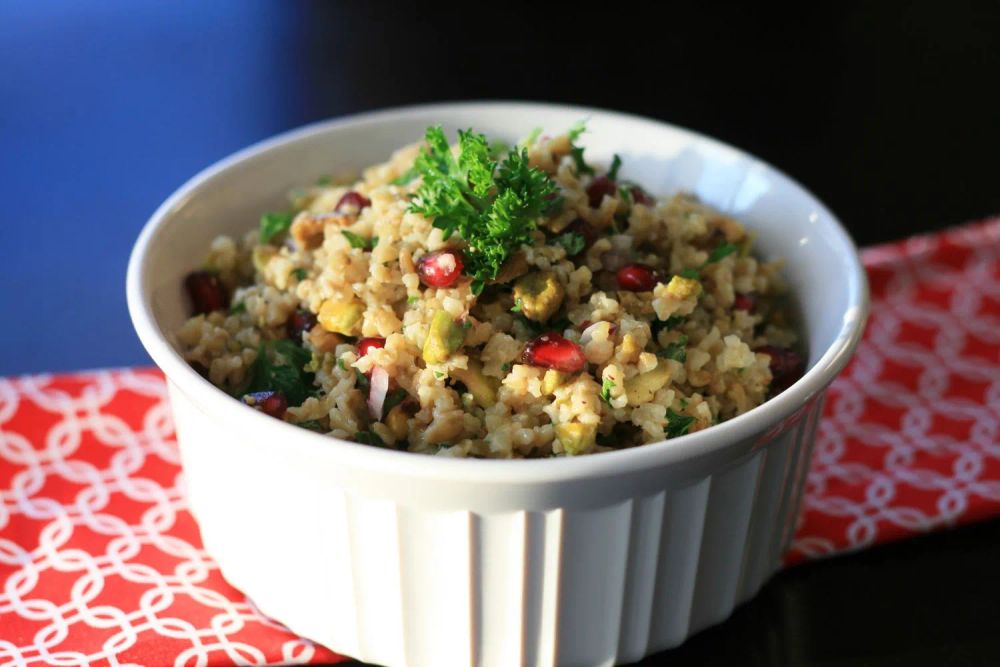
(412, 587)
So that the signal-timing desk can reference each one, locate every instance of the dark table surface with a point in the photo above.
(890, 114)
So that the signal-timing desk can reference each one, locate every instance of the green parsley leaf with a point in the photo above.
(573, 242)
(369, 437)
(237, 308)
(518, 305)
(313, 425)
(616, 164)
(677, 424)
(530, 140)
(359, 241)
(625, 194)
(361, 381)
(413, 300)
(606, 386)
(280, 366)
(405, 177)
(506, 366)
(493, 208)
(324, 181)
(676, 351)
(724, 250)
(274, 224)
(299, 273)
(393, 399)
(690, 273)
(498, 149)
(673, 321)
(340, 364)
(576, 152)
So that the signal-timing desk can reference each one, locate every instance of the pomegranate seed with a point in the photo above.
(636, 278)
(639, 196)
(550, 350)
(787, 366)
(354, 199)
(600, 186)
(580, 227)
(272, 403)
(366, 345)
(206, 291)
(747, 302)
(440, 268)
(300, 322)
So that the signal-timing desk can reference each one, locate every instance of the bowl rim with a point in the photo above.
(715, 440)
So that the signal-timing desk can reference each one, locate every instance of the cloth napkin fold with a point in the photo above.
(101, 562)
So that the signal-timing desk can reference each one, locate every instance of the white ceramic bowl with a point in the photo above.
(402, 559)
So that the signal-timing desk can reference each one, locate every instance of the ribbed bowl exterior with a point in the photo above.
(599, 574)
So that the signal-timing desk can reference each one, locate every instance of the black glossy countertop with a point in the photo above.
(890, 114)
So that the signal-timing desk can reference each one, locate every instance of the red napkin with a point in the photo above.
(101, 562)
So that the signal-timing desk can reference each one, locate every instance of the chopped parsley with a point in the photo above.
(616, 164)
(625, 194)
(237, 308)
(671, 323)
(324, 181)
(723, 250)
(274, 224)
(676, 351)
(606, 386)
(518, 305)
(413, 300)
(506, 366)
(394, 398)
(677, 424)
(405, 177)
(361, 381)
(530, 140)
(369, 437)
(299, 273)
(359, 241)
(573, 242)
(498, 149)
(493, 207)
(280, 366)
(313, 425)
(576, 152)
(690, 273)
(340, 364)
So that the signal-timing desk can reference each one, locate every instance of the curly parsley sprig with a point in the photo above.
(493, 207)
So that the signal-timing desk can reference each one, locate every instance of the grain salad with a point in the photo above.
(485, 300)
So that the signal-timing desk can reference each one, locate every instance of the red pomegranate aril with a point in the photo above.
(354, 199)
(550, 350)
(206, 291)
(636, 278)
(747, 302)
(580, 227)
(300, 322)
(366, 345)
(272, 403)
(440, 268)
(600, 186)
(787, 366)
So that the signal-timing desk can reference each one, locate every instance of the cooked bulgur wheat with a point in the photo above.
(695, 346)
